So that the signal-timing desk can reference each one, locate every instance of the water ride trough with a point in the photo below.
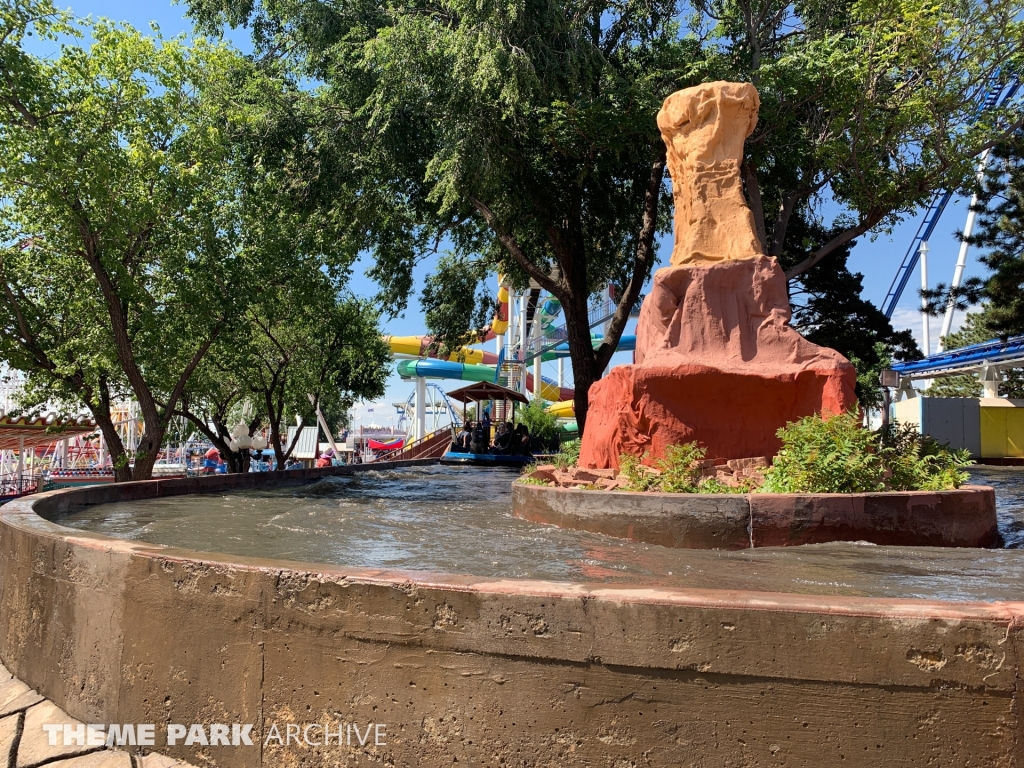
(479, 394)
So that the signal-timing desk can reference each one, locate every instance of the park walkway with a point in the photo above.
(24, 743)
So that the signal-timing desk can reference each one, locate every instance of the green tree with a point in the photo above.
(1000, 236)
(332, 352)
(869, 105)
(525, 134)
(828, 309)
(526, 138)
(119, 264)
(294, 344)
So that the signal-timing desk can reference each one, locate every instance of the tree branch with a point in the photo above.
(641, 263)
(511, 245)
(756, 205)
(836, 242)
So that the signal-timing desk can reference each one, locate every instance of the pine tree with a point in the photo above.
(999, 234)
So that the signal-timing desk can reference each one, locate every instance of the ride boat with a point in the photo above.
(479, 394)
(485, 459)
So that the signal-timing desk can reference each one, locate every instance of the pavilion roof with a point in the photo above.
(484, 390)
(34, 431)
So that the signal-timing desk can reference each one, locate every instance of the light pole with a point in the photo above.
(241, 442)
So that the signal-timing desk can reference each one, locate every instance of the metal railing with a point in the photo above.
(598, 313)
(431, 446)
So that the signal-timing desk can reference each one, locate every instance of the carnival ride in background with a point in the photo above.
(999, 94)
(525, 333)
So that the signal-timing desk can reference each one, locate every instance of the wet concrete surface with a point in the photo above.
(458, 520)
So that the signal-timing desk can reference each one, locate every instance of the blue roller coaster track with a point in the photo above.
(1000, 93)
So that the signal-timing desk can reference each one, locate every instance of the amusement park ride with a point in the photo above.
(525, 333)
(1000, 94)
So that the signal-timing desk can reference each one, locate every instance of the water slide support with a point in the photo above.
(323, 425)
(538, 382)
(522, 336)
(510, 332)
(421, 408)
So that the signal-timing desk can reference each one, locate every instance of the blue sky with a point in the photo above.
(877, 258)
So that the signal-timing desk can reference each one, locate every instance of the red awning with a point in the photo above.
(377, 445)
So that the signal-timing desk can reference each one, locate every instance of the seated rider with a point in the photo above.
(503, 438)
(478, 443)
(464, 437)
(520, 445)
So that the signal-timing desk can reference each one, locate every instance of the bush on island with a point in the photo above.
(838, 455)
(818, 455)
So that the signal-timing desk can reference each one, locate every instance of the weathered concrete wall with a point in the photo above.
(487, 672)
(961, 518)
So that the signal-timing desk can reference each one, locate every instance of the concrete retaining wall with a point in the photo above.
(483, 672)
(961, 518)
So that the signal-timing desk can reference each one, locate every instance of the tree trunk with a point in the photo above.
(581, 353)
(118, 456)
(237, 461)
(148, 450)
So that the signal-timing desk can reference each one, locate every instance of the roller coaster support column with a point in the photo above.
(961, 259)
(421, 409)
(990, 378)
(925, 331)
(538, 382)
(522, 340)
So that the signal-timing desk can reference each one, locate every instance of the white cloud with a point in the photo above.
(904, 318)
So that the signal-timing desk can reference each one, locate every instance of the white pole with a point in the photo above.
(421, 408)
(537, 378)
(522, 339)
(561, 372)
(925, 331)
(510, 332)
(323, 425)
(21, 461)
(961, 259)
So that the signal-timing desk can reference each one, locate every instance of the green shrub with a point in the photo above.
(640, 477)
(714, 485)
(537, 419)
(678, 472)
(838, 455)
(835, 455)
(680, 469)
(569, 454)
(919, 462)
(533, 481)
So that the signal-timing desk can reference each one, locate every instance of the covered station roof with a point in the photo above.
(486, 391)
(34, 431)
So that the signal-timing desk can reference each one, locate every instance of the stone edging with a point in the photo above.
(484, 671)
(24, 743)
(960, 518)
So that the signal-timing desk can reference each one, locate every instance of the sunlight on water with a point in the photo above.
(458, 520)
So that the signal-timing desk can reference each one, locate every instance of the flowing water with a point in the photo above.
(458, 520)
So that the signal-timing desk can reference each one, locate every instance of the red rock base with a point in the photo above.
(717, 362)
(645, 409)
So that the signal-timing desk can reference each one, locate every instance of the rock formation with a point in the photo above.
(716, 358)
